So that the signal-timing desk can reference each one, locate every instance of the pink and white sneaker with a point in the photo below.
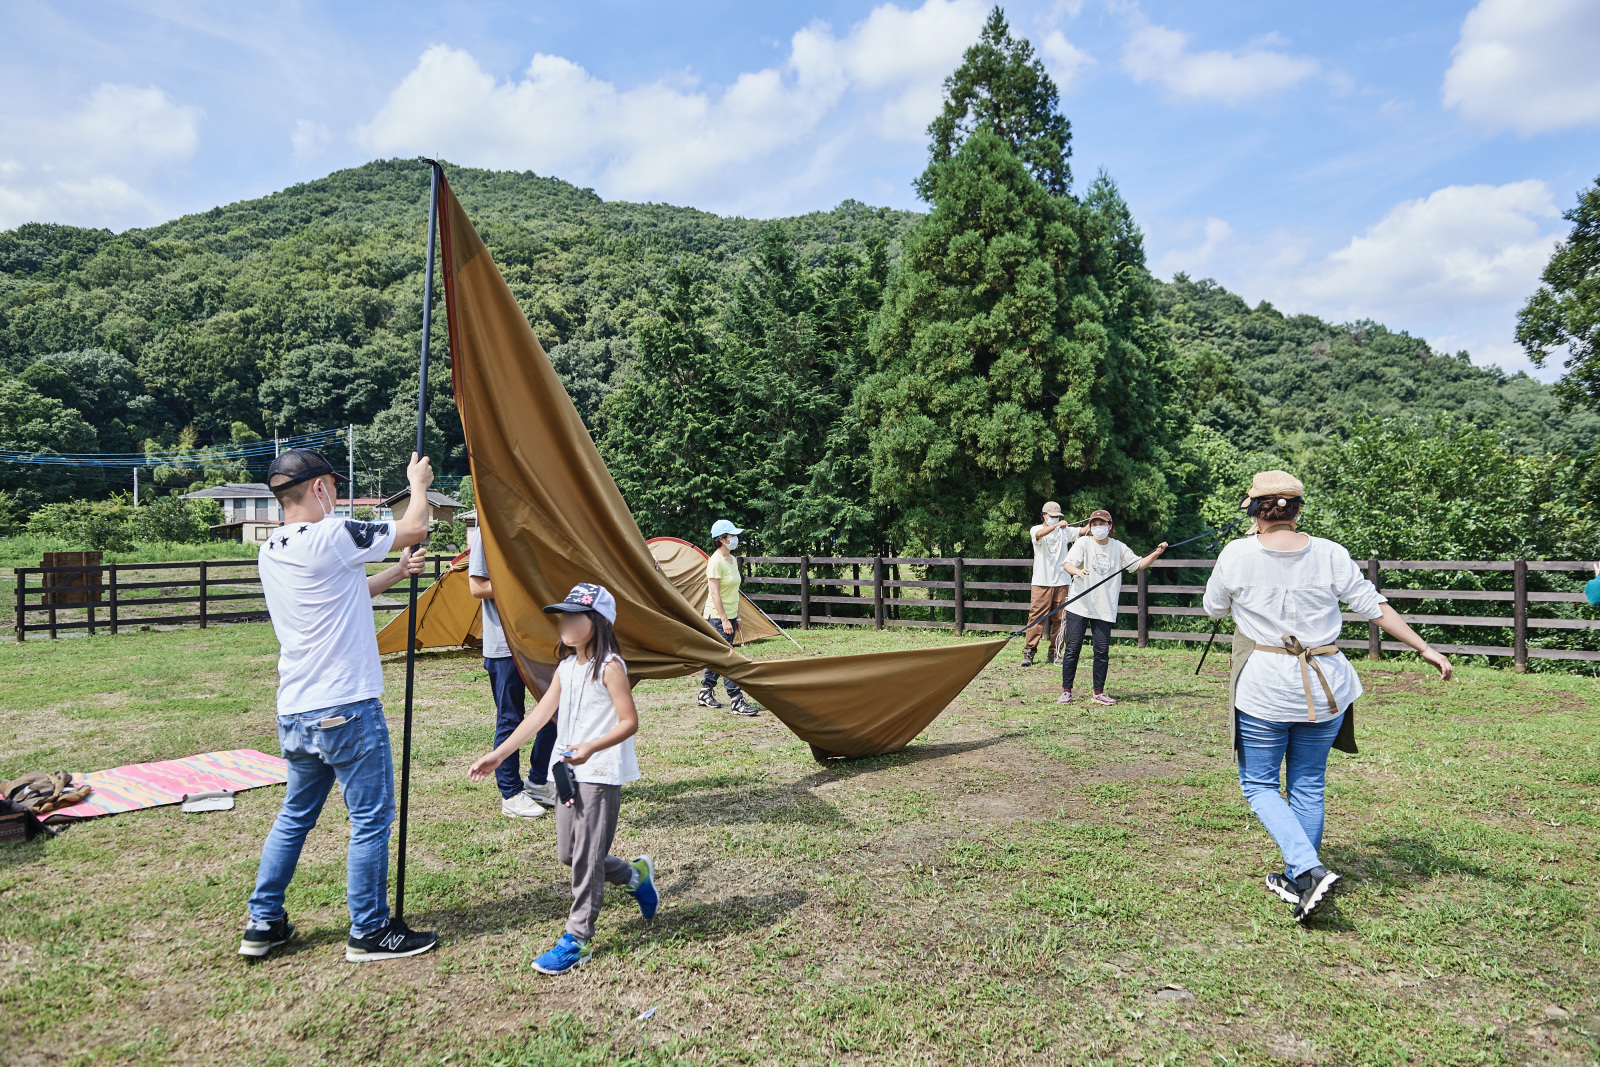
(1065, 697)
(1101, 698)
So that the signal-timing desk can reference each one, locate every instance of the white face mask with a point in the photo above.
(1099, 533)
(733, 542)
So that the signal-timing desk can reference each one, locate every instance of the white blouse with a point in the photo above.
(1271, 593)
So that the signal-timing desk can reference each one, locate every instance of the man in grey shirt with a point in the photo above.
(517, 799)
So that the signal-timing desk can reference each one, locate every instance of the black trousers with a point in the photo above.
(1073, 626)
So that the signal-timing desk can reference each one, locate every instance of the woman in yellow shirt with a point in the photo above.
(722, 612)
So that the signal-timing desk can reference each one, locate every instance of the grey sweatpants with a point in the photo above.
(583, 842)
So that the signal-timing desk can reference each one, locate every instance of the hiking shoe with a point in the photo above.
(1065, 697)
(708, 698)
(1315, 885)
(1101, 698)
(521, 806)
(394, 940)
(644, 890)
(1287, 889)
(740, 706)
(564, 955)
(544, 793)
(1027, 657)
(261, 938)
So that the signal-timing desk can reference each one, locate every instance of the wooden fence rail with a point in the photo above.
(871, 589)
(107, 599)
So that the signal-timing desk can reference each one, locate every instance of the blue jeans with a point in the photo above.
(356, 754)
(510, 700)
(709, 679)
(1296, 825)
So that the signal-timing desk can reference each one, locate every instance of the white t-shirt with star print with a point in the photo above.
(314, 578)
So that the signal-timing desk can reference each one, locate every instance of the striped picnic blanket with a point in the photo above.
(151, 785)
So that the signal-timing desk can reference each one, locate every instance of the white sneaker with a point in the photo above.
(521, 806)
(544, 794)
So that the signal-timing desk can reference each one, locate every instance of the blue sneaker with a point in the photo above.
(645, 892)
(565, 955)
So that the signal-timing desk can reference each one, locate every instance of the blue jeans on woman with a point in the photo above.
(1296, 825)
(708, 680)
(356, 754)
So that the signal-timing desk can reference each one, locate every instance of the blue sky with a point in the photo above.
(1401, 162)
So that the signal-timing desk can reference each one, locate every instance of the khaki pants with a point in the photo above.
(583, 841)
(1046, 598)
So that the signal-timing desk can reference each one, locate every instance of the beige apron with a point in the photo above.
(1243, 647)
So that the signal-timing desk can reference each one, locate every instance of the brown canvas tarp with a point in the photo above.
(684, 564)
(551, 516)
(448, 615)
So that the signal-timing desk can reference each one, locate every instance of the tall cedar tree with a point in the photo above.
(1565, 311)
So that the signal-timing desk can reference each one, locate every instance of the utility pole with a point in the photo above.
(136, 487)
(352, 471)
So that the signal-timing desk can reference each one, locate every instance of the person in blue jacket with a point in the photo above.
(1592, 590)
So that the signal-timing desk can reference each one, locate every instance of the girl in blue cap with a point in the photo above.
(595, 724)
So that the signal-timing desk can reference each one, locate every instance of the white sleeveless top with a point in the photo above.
(586, 713)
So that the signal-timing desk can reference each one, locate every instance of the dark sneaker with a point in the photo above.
(261, 938)
(708, 698)
(393, 941)
(1027, 657)
(1287, 889)
(564, 955)
(1315, 885)
(645, 890)
(740, 706)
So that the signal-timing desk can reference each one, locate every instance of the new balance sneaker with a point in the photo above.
(708, 698)
(1284, 886)
(521, 806)
(1065, 697)
(1101, 698)
(740, 706)
(1314, 885)
(396, 939)
(544, 793)
(643, 888)
(262, 937)
(564, 955)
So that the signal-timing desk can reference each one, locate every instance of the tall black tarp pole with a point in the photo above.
(411, 621)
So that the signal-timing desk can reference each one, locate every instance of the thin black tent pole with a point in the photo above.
(411, 623)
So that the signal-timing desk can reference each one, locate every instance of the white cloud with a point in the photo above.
(308, 139)
(1063, 59)
(87, 164)
(1453, 266)
(1161, 55)
(732, 147)
(1528, 65)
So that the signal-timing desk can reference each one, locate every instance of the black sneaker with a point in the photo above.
(1286, 888)
(1315, 885)
(393, 941)
(258, 942)
(708, 698)
(740, 706)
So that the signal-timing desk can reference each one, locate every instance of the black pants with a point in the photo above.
(1072, 627)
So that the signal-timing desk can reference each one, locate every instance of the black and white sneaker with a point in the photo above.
(393, 941)
(1315, 885)
(708, 698)
(740, 706)
(261, 938)
(1287, 889)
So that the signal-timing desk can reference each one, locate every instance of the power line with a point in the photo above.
(219, 457)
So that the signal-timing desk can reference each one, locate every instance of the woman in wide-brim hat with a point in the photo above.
(1293, 693)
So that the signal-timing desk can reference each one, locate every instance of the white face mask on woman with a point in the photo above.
(1099, 533)
(733, 542)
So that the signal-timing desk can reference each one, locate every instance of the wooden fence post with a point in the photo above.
(22, 603)
(50, 598)
(1144, 606)
(1374, 641)
(203, 583)
(1519, 646)
(112, 599)
(877, 592)
(961, 596)
(805, 592)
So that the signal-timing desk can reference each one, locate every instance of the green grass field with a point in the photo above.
(1027, 883)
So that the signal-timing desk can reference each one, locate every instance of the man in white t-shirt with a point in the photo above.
(1050, 540)
(1092, 561)
(330, 720)
(510, 701)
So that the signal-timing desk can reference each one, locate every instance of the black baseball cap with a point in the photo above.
(296, 465)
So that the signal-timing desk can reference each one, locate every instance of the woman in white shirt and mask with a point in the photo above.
(1293, 692)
